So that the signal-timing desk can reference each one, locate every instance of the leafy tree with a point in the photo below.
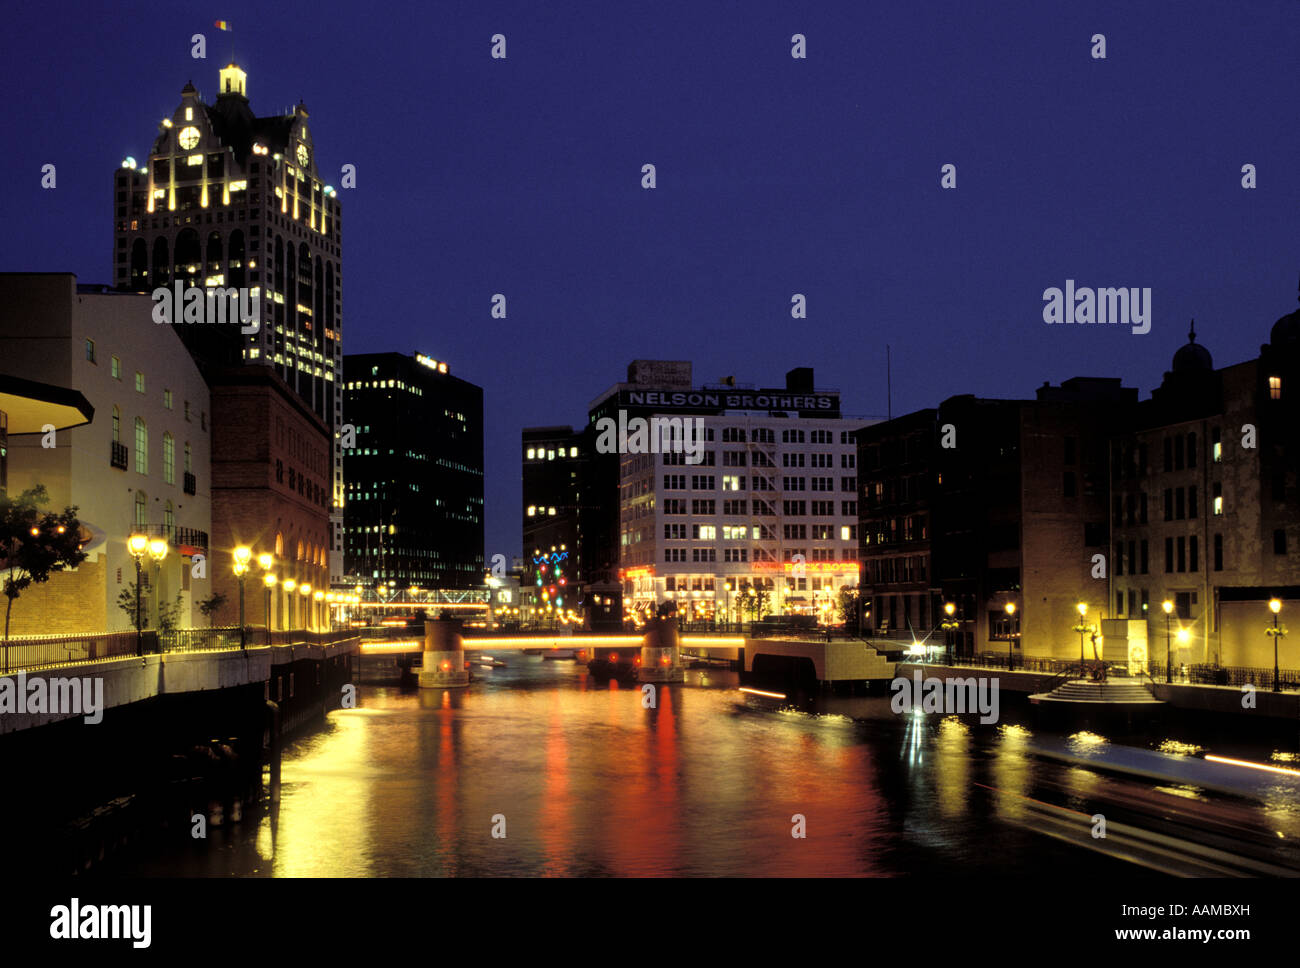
(846, 606)
(168, 613)
(211, 605)
(34, 543)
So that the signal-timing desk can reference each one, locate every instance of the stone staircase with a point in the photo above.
(1112, 691)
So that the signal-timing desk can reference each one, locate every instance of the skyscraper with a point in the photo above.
(229, 200)
(415, 473)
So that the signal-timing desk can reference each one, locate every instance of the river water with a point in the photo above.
(582, 780)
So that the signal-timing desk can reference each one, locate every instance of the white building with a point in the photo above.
(766, 523)
(141, 463)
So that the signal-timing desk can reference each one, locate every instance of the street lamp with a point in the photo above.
(242, 556)
(950, 626)
(1168, 606)
(1082, 628)
(305, 591)
(1276, 632)
(317, 597)
(289, 585)
(138, 544)
(726, 614)
(157, 552)
(1011, 638)
(268, 580)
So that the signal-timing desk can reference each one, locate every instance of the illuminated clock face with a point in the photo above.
(189, 137)
(303, 154)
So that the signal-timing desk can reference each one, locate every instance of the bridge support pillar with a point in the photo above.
(444, 656)
(661, 656)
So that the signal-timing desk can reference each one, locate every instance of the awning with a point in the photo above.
(31, 406)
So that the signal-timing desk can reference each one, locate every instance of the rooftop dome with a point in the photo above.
(1191, 358)
(1286, 329)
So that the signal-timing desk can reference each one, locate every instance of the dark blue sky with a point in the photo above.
(775, 176)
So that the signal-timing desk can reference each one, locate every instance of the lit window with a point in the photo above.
(844, 532)
(141, 447)
(573, 451)
(1275, 388)
(167, 399)
(189, 114)
(117, 368)
(169, 459)
(90, 350)
(532, 453)
(139, 382)
(532, 510)
(550, 511)
(1218, 505)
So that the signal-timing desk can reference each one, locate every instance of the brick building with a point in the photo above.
(271, 479)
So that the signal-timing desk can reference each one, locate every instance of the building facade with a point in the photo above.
(1206, 510)
(765, 523)
(554, 470)
(271, 494)
(997, 503)
(414, 469)
(229, 200)
(142, 464)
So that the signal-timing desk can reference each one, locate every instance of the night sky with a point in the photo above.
(775, 176)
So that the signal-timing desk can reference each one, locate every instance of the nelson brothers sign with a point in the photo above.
(717, 401)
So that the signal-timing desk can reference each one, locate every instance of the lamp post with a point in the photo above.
(157, 552)
(1083, 628)
(1276, 632)
(317, 598)
(1011, 636)
(950, 625)
(305, 591)
(242, 556)
(289, 585)
(138, 544)
(268, 581)
(1168, 606)
(726, 612)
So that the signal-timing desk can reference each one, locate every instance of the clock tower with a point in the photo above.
(227, 199)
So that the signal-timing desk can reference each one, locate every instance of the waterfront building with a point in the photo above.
(228, 199)
(1206, 505)
(140, 465)
(555, 466)
(414, 470)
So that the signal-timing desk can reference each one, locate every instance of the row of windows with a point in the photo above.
(741, 532)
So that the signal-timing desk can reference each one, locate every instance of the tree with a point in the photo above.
(168, 613)
(34, 543)
(846, 606)
(210, 605)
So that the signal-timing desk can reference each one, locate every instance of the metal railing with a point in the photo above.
(1260, 678)
(117, 455)
(35, 651)
(24, 653)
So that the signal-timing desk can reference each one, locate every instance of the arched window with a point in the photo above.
(169, 521)
(189, 259)
(189, 458)
(279, 545)
(141, 446)
(300, 549)
(236, 277)
(214, 265)
(139, 264)
(161, 263)
(169, 459)
(117, 424)
(141, 509)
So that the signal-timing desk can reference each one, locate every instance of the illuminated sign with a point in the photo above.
(632, 574)
(810, 567)
(697, 401)
(431, 363)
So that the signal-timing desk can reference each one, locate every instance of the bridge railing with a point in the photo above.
(24, 653)
(36, 651)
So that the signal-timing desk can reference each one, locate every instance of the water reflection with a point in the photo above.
(592, 779)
